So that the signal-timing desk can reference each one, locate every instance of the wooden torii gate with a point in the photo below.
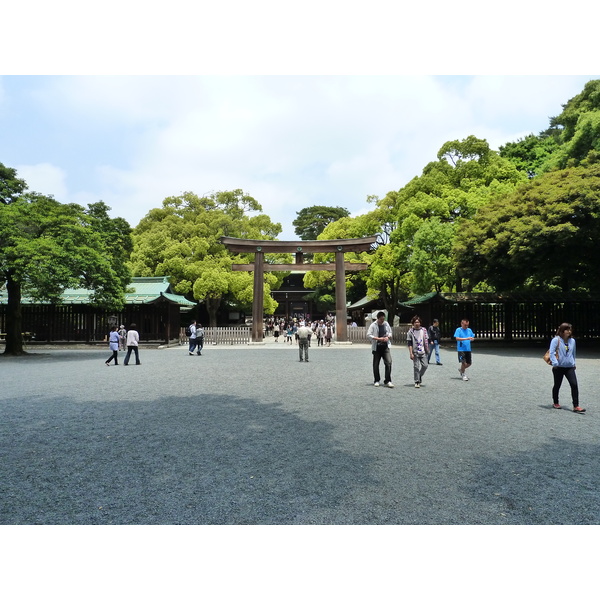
(261, 247)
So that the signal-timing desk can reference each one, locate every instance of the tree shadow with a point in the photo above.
(557, 484)
(214, 459)
(58, 355)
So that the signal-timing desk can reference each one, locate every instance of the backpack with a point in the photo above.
(188, 331)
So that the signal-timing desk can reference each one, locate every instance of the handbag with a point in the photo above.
(547, 356)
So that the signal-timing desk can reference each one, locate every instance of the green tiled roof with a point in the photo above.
(144, 290)
(421, 299)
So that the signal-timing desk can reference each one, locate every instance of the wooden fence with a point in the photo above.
(358, 335)
(221, 336)
(519, 321)
(50, 323)
(243, 335)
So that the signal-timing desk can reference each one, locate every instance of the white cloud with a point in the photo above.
(44, 178)
(288, 141)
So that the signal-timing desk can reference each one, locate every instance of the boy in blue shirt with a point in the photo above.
(464, 336)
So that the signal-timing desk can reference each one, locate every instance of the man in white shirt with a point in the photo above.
(303, 336)
(380, 334)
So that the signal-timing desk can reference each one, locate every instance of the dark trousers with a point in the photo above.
(196, 344)
(115, 357)
(303, 346)
(137, 355)
(568, 372)
(382, 352)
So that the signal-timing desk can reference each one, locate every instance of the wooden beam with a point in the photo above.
(312, 246)
(294, 267)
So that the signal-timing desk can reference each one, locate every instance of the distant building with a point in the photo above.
(150, 304)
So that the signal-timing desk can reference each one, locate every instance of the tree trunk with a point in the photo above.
(14, 320)
(212, 306)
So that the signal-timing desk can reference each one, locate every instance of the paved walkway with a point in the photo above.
(249, 435)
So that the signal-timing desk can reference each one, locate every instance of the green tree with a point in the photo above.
(181, 240)
(543, 236)
(311, 221)
(382, 279)
(427, 210)
(46, 246)
(572, 138)
(531, 153)
(416, 225)
(432, 262)
(11, 187)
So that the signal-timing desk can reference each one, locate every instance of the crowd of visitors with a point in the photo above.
(322, 330)
(421, 342)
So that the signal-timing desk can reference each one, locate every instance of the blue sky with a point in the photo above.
(326, 103)
(289, 141)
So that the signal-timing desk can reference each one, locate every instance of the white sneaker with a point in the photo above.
(376, 384)
(417, 385)
(390, 384)
(465, 378)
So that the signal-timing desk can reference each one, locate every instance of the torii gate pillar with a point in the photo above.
(259, 298)
(259, 247)
(341, 322)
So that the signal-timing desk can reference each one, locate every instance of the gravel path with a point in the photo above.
(249, 435)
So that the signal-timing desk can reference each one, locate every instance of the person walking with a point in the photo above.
(434, 335)
(303, 341)
(113, 344)
(464, 336)
(199, 338)
(122, 337)
(320, 333)
(418, 349)
(192, 336)
(133, 340)
(380, 334)
(562, 355)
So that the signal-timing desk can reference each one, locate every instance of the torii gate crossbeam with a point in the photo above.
(260, 247)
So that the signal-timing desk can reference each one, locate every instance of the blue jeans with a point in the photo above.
(434, 345)
(196, 343)
(137, 355)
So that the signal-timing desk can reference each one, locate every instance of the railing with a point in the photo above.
(221, 335)
(358, 335)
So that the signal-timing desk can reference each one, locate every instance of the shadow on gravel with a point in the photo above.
(210, 460)
(559, 484)
(58, 356)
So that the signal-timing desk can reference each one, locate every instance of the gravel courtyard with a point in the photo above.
(249, 435)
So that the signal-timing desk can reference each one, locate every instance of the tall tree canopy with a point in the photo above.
(181, 240)
(543, 236)
(427, 210)
(46, 247)
(311, 221)
(573, 137)
(11, 187)
(417, 224)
